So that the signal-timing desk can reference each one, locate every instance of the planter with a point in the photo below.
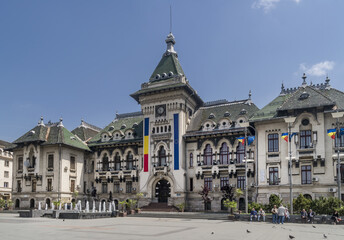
(137, 210)
(132, 212)
(123, 214)
(231, 217)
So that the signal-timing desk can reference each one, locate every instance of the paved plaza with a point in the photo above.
(13, 227)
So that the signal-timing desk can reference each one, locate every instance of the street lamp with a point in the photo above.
(290, 121)
(246, 125)
(338, 115)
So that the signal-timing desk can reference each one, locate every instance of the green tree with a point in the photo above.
(230, 204)
(274, 200)
(301, 203)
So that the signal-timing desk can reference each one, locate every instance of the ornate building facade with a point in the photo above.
(6, 161)
(168, 151)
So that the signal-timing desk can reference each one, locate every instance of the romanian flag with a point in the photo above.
(331, 133)
(242, 140)
(285, 136)
(146, 145)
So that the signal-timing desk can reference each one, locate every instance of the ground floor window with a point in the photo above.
(306, 174)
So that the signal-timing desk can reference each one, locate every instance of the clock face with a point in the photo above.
(160, 110)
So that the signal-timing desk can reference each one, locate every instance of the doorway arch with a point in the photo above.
(242, 204)
(17, 204)
(47, 201)
(32, 203)
(163, 190)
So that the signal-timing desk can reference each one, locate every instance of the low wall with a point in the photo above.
(84, 215)
(34, 213)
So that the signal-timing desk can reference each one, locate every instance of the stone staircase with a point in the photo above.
(158, 207)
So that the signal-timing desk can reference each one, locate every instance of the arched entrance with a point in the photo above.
(47, 201)
(162, 190)
(32, 203)
(17, 204)
(242, 204)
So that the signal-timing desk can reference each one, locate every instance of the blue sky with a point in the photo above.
(81, 59)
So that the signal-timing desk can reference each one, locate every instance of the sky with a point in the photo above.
(81, 59)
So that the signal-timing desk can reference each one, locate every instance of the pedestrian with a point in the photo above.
(261, 213)
(335, 217)
(311, 216)
(303, 216)
(274, 214)
(281, 212)
(253, 214)
(287, 215)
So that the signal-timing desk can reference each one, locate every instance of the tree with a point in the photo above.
(138, 197)
(301, 203)
(204, 193)
(228, 192)
(230, 204)
(274, 200)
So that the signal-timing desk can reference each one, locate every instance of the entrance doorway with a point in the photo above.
(162, 191)
(32, 203)
(242, 204)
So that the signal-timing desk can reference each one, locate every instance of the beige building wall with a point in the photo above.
(6, 161)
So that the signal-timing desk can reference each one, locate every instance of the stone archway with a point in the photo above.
(17, 203)
(163, 190)
(32, 203)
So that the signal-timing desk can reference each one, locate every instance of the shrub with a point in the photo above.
(131, 204)
(301, 203)
(181, 207)
(230, 204)
(273, 200)
(257, 206)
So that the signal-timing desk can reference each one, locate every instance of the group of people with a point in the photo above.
(278, 214)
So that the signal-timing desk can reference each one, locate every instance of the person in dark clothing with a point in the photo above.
(335, 217)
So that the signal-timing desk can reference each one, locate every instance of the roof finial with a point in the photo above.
(304, 83)
(249, 94)
(60, 123)
(41, 123)
(327, 83)
(170, 43)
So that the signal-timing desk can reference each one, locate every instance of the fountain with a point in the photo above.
(113, 206)
(94, 207)
(104, 206)
(87, 207)
(39, 206)
(65, 206)
(110, 207)
(71, 206)
(79, 206)
(53, 206)
(60, 207)
(46, 206)
(100, 206)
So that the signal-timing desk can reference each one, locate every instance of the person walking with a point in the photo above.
(274, 214)
(261, 213)
(335, 217)
(287, 215)
(281, 213)
(311, 216)
(253, 214)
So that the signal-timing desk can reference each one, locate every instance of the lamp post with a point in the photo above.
(247, 125)
(338, 115)
(290, 120)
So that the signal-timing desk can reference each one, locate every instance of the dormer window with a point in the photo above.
(227, 114)
(243, 111)
(111, 128)
(212, 115)
(304, 96)
(116, 135)
(208, 126)
(123, 126)
(105, 137)
(129, 134)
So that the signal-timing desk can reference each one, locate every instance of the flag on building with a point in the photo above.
(332, 133)
(242, 140)
(285, 136)
(250, 139)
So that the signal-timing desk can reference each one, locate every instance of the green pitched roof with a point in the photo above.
(270, 110)
(220, 111)
(168, 63)
(122, 123)
(86, 131)
(50, 135)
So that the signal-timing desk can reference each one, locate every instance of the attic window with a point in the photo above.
(305, 122)
(32, 132)
(111, 128)
(123, 126)
(135, 125)
(157, 77)
(207, 125)
(72, 137)
(170, 74)
(304, 96)
(243, 112)
(211, 115)
(224, 123)
(227, 114)
(163, 75)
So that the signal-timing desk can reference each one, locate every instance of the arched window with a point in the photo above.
(208, 155)
(307, 196)
(47, 201)
(223, 207)
(130, 161)
(32, 159)
(240, 152)
(105, 162)
(32, 203)
(162, 156)
(17, 205)
(224, 154)
(117, 162)
(191, 160)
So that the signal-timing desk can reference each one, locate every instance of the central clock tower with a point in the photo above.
(167, 101)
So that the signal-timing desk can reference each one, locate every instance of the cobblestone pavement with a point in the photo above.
(13, 227)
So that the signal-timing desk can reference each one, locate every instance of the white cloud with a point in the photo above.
(319, 69)
(267, 5)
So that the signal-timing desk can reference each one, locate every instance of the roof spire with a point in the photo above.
(41, 123)
(327, 83)
(60, 123)
(304, 83)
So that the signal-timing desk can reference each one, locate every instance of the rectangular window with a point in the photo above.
(6, 174)
(50, 185)
(85, 187)
(339, 141)
(273, 176)
(306, 174)
(6, 184)
(34, 184)
(116, 187)
(241, 182)
(92, 167)
(104, 187)
(7, 163)
(305, 139)
(224, 181)
(273, 142)
(50, 162)
(19, 189)
(128, 187)
(20, 163)
(191, 184)
(72, 185)
(72, 163)
(208, 181)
